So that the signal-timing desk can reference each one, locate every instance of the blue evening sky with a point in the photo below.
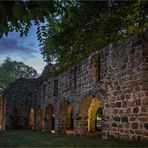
(25, 49)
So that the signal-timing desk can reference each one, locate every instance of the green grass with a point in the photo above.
(38, 139)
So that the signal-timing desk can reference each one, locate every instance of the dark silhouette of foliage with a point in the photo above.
(12, 70)
(89, 25)
(68, 31)
(19, 15)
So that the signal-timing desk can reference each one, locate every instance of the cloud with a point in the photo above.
(11, 46)
(25, 49)
(8, 43)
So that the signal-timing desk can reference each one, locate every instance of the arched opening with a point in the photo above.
(50, 118)
(66, 117)
(31, 119)
(91, 114)
(39, 119)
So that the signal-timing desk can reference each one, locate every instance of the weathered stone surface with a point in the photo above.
(132, 118)
(114, 124)
(135, 125)
(146, 126)
(145, 133)
(124, 104)
(144, 108)
(135, 109)
(132, 131)
(138, 102)
(117, 119)
(145, 101)
(138, 132)
(118, 104)
(115, 75)
(124, 119)
(128, 111)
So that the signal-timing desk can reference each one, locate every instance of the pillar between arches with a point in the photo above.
(35, 120)
(44, 122)
(80, 123)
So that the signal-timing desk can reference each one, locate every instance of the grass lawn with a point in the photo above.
(38, 139)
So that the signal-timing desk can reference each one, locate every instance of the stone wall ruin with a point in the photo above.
(116, 76)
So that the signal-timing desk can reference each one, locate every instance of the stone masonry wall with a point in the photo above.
(116, 75)
(19, 98)
(119, 81)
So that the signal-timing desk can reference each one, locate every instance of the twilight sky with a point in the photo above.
(25, 49)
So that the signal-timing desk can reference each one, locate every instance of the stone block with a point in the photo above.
(145, 133)
(128, 97)
(146, 126)
(117, 119)
(145, 101)
(144, 108)
(138, 102)
(114, 124)
(132, 131)
(138, 132)
(132, 118)
(128, 111)
(121, 112)
(135, 109)
(122, 97)
(130, 103)
(124, 104)
(118, 104)
(135, 125)
(124, 119)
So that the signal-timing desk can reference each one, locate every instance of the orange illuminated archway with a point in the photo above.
(31, 119)
(89, 112)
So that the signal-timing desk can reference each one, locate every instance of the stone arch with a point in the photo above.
(49, 114)
(31, 119)
(89, 119)
(65, 114)
(39, 118)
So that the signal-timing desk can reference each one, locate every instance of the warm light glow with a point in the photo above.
(31, 118)
(0, 127)
(52, 131)
(95, 104)
(70, 132)
(69, 117)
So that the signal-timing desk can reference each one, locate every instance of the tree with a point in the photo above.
(90, 25)
(12, 70)
(19, 15)
(70, 30)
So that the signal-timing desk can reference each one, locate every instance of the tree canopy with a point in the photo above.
(12, 70)
(19, 15)
(89, 25)
(70, 30)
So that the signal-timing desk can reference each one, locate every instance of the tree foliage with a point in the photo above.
(70, 30)
(12, 70)
(87, 26)
(19, 15)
